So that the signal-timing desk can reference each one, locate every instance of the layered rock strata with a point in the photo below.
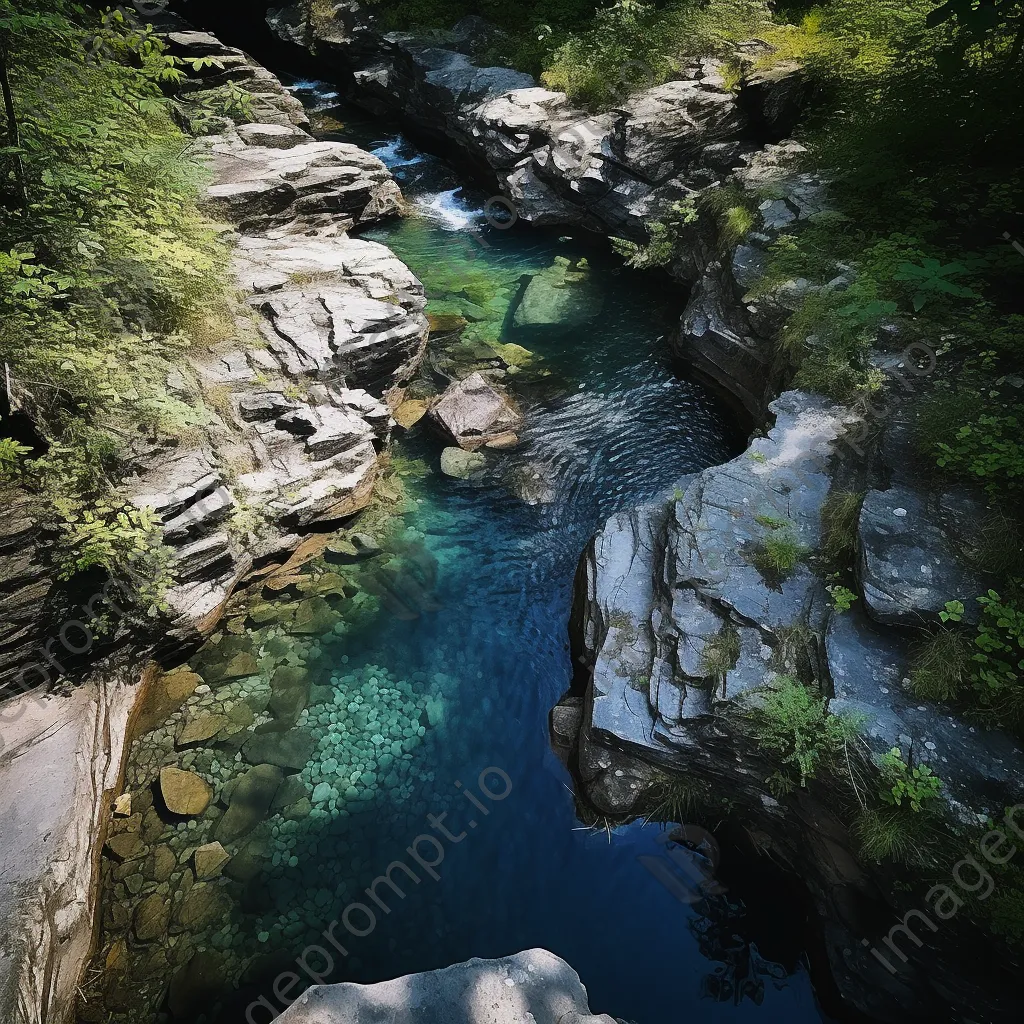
(611, 172)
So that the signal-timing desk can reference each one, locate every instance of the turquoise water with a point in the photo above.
(478, 635)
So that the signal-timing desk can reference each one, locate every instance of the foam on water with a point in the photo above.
(451, 213)
(398, 153)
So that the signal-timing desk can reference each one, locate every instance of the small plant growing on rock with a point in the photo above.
(842, 597)
(839, 515)
(903, 829)
(772, 522)
(720, 654)
(122, 540)
(11, 455)
(677, 797)
(778, 556)
(953, 612)
(999, 658)
(895, 834)
(903, 784)
(795, 724)
(942, 665)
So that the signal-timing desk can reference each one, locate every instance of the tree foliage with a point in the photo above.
(106, 265)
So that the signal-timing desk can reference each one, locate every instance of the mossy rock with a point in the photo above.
(446, 322)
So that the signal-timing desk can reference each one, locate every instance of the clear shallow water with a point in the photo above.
(609, 426)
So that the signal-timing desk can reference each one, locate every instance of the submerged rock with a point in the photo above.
(290, 749)
(184, 792)
(251, 797)
(564, 296)
(209, 861)
(152, 916)
(461, 464)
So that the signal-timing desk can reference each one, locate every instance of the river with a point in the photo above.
(455, 666)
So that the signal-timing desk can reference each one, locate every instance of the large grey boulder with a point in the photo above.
(534, 986)
(473, 412)
(668, 127)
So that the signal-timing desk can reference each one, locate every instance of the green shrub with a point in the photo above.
(664, 237)
(833, 373)
(107, 267)
(122, 540)
(633, 44)
(12, 455)
(999, 658)
(990, 449)
(795, 724)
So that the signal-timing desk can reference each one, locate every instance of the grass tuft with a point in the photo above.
(895, 834)
(942, 665)
(777, 556)
(839, 517)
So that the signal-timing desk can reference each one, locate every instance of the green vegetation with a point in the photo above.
(917, 786)
(632, 44)
(124, 541)
(772, 522)
(777, 555)
(983, 669)
(665, 236)
(989, 448)
(721, 653)
(677, 798)
(794, 723)
(12, 455)
(108, 270)
(942, 665)
(904, 828)
(842, 597)
(999, 659)
(896, 835)
(840, 514)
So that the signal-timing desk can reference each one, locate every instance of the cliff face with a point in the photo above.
(656, 591)
(303, 391)
(612, 173)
